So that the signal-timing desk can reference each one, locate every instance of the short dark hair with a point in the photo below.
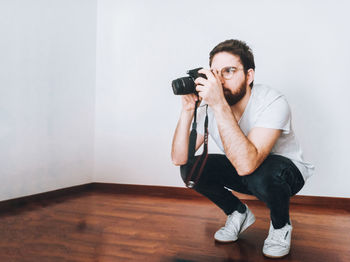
(238, 48)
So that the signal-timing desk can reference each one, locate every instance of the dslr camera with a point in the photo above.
(185, 85)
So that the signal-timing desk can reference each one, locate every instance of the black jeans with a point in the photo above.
(274, 182)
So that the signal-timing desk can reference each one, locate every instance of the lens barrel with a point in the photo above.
(183, 86)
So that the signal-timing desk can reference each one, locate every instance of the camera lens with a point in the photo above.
(183, 86)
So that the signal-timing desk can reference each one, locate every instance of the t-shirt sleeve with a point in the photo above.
(276, 115)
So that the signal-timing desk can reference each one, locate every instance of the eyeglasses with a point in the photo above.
(228, 72)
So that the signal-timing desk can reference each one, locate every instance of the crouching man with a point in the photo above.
(251, 124)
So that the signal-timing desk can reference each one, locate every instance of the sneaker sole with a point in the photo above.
(225, 241)
(247, 223)
(270, 256)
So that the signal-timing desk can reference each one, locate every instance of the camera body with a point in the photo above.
(186, 85)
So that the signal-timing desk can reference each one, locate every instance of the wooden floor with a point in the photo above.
(98, 226)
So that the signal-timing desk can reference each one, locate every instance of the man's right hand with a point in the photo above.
(179, 150)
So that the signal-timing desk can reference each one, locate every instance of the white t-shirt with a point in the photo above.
(266, 108)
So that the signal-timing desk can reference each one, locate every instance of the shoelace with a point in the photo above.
(230, 224)
(278, 237)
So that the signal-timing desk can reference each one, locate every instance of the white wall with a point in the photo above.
(301, 48)
(47, 90)
(52, 133)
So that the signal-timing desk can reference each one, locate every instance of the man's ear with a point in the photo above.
(250, 76)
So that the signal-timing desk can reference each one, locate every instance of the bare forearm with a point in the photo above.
(179, 150)
(239, 150)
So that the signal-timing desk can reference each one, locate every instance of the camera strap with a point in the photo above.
(193, 169)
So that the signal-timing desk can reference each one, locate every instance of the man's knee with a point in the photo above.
(211, 166)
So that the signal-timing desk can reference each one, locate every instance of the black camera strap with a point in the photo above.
(193, 169)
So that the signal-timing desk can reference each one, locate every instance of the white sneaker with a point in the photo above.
(277, 244)
(236, 223)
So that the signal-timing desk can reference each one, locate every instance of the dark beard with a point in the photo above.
(233, 99)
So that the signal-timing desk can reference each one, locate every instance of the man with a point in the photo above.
(251, 124)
